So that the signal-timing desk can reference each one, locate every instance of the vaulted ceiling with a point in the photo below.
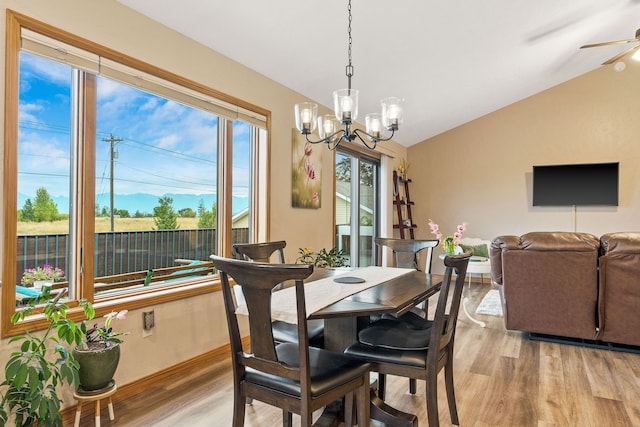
(452, 61)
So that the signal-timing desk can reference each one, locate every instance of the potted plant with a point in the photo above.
(98, 355)
(34, 371)
(41, 276)
(332, 258)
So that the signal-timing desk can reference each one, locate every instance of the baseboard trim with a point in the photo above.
(139, 386)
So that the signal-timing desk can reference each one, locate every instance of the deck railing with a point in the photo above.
(122, 252)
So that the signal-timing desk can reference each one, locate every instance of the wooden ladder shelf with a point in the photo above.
(403, 204)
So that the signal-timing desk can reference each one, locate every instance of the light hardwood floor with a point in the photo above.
(501, 379)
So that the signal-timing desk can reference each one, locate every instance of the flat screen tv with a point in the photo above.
(594, 184)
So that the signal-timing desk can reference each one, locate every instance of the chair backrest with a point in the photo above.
(260, 252)
(406, 251)
(446, 314)
(257, 280)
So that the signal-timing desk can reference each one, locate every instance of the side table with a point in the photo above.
(84, 397)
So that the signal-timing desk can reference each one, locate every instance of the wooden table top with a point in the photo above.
(395, 296)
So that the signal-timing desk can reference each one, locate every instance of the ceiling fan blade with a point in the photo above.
(609, 43)
(620, 55)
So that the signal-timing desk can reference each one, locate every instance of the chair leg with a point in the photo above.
(287, 419)
(348, 410)
(306, 420)
(451, 395)
(432, 400)
(381, 385)
(364, 416)
(238, 409)
(412, 385)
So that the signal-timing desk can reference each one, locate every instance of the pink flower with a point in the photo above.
(308, 169)
(315, 197)
(457, 235)
(435, 229)
(307, 149)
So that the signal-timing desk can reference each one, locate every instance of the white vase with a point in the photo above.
(39, 284)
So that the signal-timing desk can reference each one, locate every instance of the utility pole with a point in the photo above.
(113, 141)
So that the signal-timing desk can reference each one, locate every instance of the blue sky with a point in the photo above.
(166, 146)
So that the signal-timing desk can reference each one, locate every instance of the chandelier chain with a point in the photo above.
(349, 69)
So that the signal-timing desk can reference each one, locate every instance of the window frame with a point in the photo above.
(83, 144)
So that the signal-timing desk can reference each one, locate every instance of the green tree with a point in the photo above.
(138, 214)
(187, 213)
(207, 218)
(122, 213)
(44, 208)
(164, 215)
(26, 213)
(343, 172)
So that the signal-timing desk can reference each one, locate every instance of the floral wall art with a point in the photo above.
(306, 169)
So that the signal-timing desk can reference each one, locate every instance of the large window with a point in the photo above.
(121, 177)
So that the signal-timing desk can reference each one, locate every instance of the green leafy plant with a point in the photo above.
(97, 338)
(323, 258)
(41, 364)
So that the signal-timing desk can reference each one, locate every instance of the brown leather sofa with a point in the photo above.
(570, 285)
(548, 282)
(619, 296)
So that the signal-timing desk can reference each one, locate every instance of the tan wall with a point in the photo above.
(188, 328)
(481, 172)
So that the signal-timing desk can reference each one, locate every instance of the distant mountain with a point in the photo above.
(145, 203)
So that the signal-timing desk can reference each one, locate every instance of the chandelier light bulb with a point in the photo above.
(306, 113)
(327, 126)
(392, 112)
(373, 123)
(345, 105)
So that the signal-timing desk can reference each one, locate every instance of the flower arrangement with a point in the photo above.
(323, 258)
(403, 168)
(46, 272)
(449, 243)
(102, 337)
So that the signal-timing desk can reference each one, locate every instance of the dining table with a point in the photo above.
(346, 299)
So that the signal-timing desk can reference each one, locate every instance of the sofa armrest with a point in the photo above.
(495, 253)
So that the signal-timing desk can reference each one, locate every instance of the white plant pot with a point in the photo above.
(39, 284)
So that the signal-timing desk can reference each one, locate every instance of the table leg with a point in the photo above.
(111, 414)
(388, 415)
(78, 412)
(339, 333)
(465, 300)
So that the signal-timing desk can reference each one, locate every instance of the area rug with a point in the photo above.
(491, 304)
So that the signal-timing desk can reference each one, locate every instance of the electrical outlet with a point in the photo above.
(148, 320)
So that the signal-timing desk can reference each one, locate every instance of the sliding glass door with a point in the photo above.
(356, 206)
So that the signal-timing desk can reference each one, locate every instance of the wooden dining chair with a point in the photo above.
(406, 253)
(282, 331)
(295, 377)
(395, 348)
(260, 252)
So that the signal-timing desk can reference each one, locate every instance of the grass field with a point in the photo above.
(102, 225)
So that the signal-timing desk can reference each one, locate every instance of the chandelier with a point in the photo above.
(345, 105)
